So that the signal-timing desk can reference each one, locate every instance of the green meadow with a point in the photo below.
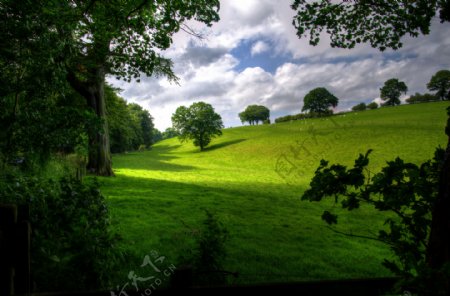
(252, 178)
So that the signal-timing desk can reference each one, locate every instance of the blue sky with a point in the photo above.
(258, 53)
(253, 56)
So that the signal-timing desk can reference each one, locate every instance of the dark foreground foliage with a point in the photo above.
(405, 189)
(73, 247)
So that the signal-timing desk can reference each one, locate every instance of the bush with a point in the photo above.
(420, 98)
(206, 257)
(73, 247)
(359, 107)
(372, 106)
(283, 119)
(301, 116)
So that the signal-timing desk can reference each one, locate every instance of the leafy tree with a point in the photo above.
(124, 129)
(254, 113)
(157, 135)
(372, 106)
(440, 82)
(319, 100)
(359, 107)
(87, 40)
(39, 114)
(170, 132)
(392, 90)
(418, 98)
(382, 24)
(130, 125)
(145, 123)
(404, 189)
(199, 123)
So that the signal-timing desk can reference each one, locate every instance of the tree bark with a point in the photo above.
(99, 149)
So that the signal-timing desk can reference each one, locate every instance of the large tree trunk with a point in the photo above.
(438, 250)
(99, 150)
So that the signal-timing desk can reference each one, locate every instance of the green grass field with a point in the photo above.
(252, 179)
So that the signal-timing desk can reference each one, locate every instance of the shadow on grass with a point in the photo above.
(156, 159)
(224, 144)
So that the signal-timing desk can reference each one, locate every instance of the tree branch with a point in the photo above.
(77, 84)
(139, 7)
(185, 28)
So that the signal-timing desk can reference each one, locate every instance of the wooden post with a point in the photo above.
(15, 260)
(8, 219)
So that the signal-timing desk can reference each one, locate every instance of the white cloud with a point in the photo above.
(207, 68)
(259, 47)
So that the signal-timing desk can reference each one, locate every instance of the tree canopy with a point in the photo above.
(83, 41)
(169, 132)
(392, 90)
(199, 123)
(440, 82)
(319, 100)
(130, 126)
(381, 23)
(254, 113)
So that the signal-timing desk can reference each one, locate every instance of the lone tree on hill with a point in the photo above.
(440, 82)
(382, 24)
(392, 90)
(319, 100)
(199, 123)
(254, 113)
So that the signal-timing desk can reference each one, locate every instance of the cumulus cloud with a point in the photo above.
(259, 47)
(208, 70)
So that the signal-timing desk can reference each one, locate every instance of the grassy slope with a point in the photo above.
(252, 178)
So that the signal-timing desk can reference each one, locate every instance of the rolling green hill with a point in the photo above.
(252, 179)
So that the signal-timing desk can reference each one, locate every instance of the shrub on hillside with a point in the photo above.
(207, 256)
(301, 116)
(420, 98)
(359, 107)
(372, 106)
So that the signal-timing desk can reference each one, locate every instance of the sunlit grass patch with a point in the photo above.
(252, 178)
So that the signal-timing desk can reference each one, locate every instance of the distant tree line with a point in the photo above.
(363, 106)
(420, 98)
(130, 126)
(393, 88)
(300, 116)
(168, 133)
(319, 101)
(316, 103)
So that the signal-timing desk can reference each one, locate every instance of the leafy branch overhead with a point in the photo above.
(381, 23)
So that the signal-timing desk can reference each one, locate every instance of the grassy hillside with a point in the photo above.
(252, 179)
